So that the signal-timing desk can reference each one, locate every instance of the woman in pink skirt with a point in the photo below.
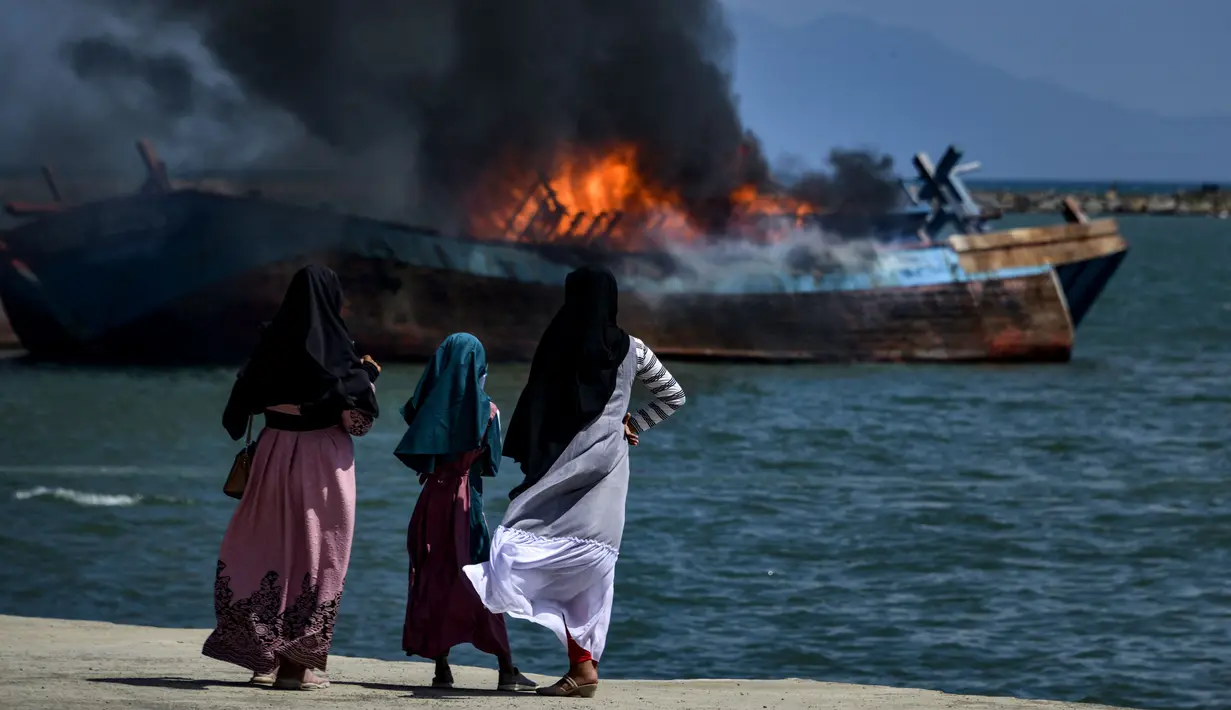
(284, 555)
(452, 441)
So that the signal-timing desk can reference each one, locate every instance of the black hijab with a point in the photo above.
(572, 376)
(305, 357)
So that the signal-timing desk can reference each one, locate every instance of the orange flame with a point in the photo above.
(604, 198)
(748, 201)
(763, 217)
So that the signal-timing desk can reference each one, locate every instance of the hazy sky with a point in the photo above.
(1169, 58)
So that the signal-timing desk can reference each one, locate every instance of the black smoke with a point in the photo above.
(454, 87)
(858, 188)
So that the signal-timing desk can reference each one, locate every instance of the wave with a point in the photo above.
(70, 470)
(162, 470)
(92, 500)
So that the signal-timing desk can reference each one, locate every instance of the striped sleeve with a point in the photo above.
(667, 394)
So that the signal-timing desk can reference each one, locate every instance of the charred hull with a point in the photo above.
(187, 277)
(1018, 320)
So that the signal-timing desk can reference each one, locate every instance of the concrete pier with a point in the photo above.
(54, 664)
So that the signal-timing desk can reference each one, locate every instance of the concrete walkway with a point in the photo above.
(53, 664)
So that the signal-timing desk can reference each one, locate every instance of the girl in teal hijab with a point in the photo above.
(453, 440)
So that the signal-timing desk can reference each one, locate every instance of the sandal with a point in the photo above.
(317, 683)
(566, 687)
(514, 682)
(264, 678)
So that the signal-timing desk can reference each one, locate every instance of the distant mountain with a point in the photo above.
(845, 81)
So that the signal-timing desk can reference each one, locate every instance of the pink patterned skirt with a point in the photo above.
(284, 556)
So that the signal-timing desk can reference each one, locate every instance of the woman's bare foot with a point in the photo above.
(584, 673)
(311, 681)
(293, 676)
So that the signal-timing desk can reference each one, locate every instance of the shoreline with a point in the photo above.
(50, 664)
(1201, 203)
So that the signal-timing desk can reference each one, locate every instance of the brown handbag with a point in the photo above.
(237, 479)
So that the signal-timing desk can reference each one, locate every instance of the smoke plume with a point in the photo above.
(443, 90)
(859, 187)
(169, 76)
(86, 79)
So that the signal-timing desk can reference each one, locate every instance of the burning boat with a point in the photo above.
(185, 274)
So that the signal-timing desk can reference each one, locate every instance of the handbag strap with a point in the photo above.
(248, 438)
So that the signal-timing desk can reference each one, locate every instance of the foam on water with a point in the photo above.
(71, 470)
(106, 500)
(111, 471)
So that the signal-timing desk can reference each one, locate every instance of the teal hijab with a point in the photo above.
(449, 411)
(448, 416)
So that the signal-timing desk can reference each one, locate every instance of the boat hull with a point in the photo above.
(1084, 255)
(402, 313)
(1083, 282)
(1022, 319)
(8, 336)
(187, 278)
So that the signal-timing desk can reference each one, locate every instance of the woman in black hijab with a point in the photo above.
(553, 557)
(305, 357)
(572, 376)
(285, 553)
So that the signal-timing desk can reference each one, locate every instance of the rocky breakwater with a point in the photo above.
(1208, 201)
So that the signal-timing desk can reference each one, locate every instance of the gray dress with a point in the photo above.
(582, 495)
(553, 556)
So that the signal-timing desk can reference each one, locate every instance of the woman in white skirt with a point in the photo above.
(553, 556)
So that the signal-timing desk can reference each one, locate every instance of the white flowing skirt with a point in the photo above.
(565, 584)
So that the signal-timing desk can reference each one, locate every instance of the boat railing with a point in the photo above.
(157, 181)
(541, 217)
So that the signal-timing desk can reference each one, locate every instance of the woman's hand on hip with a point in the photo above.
(629, 434)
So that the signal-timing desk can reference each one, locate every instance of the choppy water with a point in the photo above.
(1055, 532)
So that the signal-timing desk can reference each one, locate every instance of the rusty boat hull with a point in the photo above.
(9, 342)
(186, 277)
(8, 337)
